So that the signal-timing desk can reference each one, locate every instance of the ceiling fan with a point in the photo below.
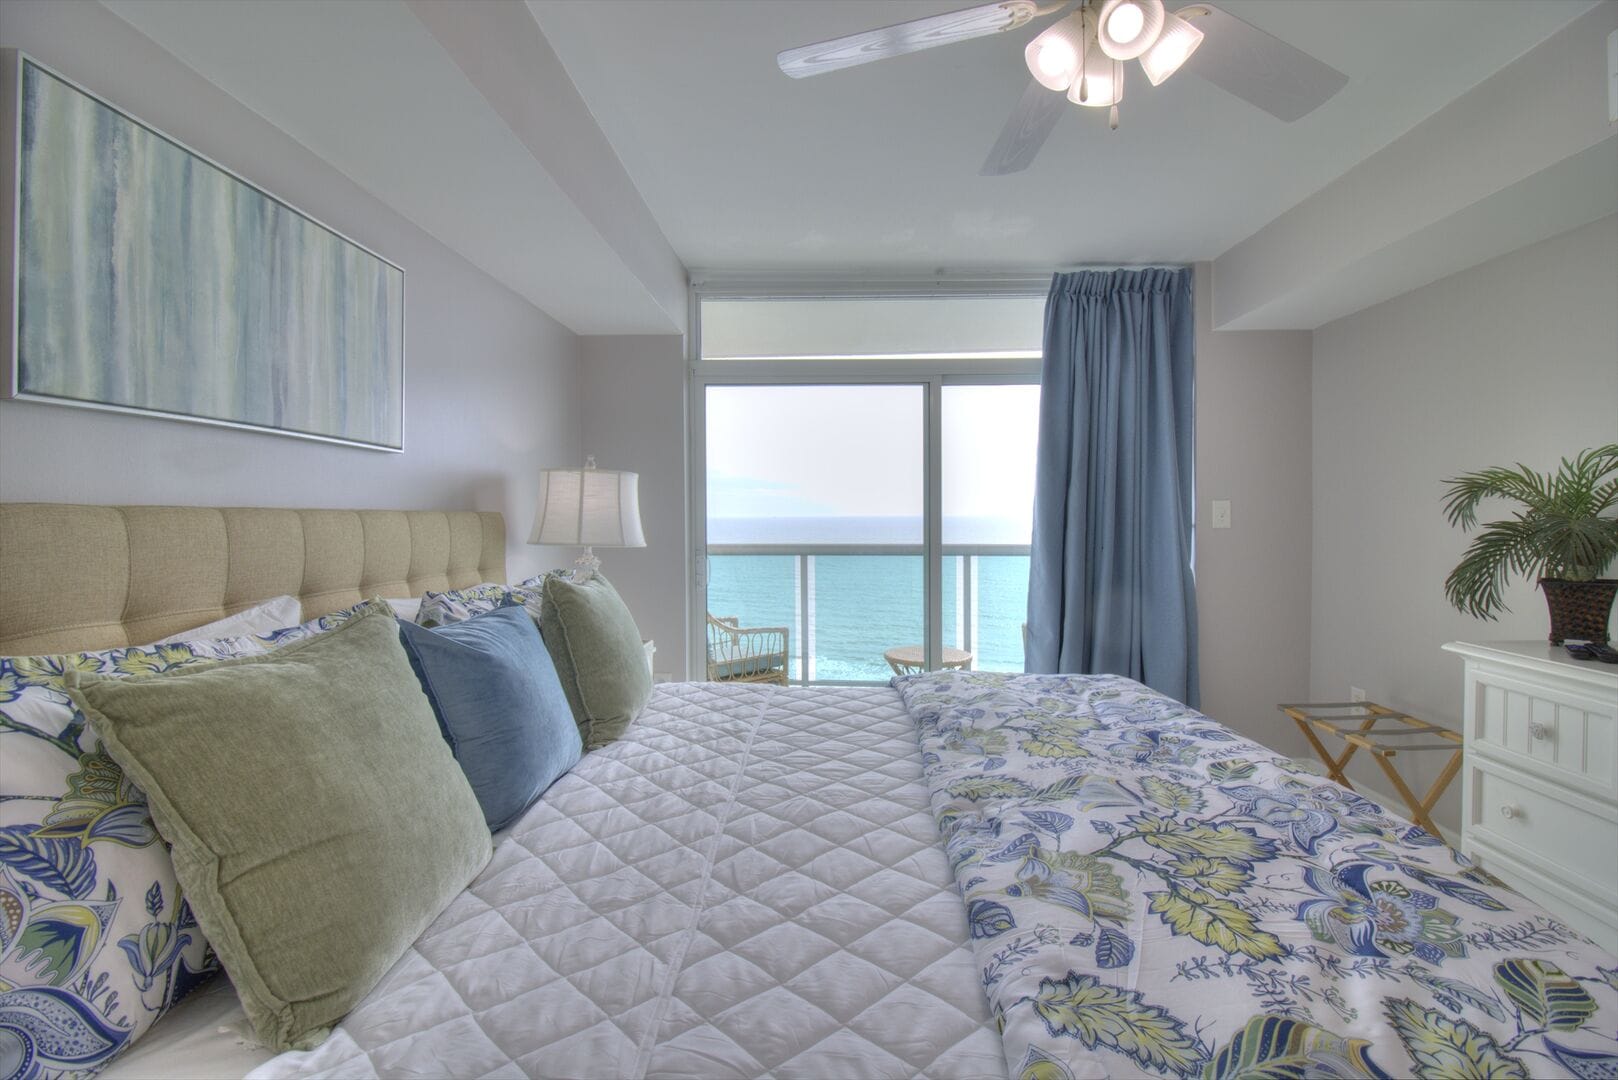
(1080, 59)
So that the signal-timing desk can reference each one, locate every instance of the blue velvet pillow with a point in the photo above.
(499, 705)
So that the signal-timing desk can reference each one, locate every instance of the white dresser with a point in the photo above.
(1540, 782)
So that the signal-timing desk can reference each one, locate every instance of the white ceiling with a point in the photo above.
(875, 167)
(369, 89)
(685, 144)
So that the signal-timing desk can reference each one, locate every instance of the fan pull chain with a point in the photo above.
(1117, 93)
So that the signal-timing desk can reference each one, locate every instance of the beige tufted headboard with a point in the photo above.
(78, 578)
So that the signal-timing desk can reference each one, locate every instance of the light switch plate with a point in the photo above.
(1221, 513)
(1612, 77)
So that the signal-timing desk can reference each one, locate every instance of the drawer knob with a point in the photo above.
(1508, 811)
(1539, 730)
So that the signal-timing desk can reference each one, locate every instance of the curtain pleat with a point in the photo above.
(1110, 587)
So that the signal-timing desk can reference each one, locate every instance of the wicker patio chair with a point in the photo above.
(755, 654)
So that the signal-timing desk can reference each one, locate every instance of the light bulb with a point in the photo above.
(1056, 57)
(1102, 84)
(1126, 21)
(1129, 27)
(1173, 48)
(1053, 56)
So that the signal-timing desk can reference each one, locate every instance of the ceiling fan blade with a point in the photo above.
(906, 37)
(1026, 130)
(1259, 68)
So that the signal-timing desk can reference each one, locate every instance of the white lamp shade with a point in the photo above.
(1172, 48)
(1127, 28)
(588, 507)
(1100, 84)
(1053, 56)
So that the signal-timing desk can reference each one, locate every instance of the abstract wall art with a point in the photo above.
(146, 278)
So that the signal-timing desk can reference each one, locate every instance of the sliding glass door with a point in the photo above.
(879, 524)
(815, 520)
(988, 436)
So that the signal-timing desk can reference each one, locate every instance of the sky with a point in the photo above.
(857, 451)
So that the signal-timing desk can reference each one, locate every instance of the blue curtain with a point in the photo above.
(1110, 586)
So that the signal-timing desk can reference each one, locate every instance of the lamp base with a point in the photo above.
(585, 567)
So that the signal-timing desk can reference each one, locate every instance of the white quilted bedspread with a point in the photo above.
(749, 884)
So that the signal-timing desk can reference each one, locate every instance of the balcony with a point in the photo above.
(847, 604)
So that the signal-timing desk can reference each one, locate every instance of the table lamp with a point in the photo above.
(589, 506)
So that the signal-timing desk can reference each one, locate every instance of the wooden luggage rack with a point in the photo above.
(1384, 733)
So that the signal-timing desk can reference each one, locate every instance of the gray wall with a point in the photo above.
(1514, 360)
(491, 386)
(633, 418)
(1253, 578)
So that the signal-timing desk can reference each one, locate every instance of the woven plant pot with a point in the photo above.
(1579, 609)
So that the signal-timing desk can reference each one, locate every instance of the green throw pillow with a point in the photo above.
(593, 640)
(318, 819)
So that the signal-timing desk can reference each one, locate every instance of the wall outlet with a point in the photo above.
(1221, 513)
(1356, 694)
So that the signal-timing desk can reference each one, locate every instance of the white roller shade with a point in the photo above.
(863, 327)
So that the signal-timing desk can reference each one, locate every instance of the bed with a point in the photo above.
(963, 874)
(749, 884)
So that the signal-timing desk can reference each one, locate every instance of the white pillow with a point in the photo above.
(406, 608)
(258, 619)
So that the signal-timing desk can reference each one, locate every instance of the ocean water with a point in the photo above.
(863, 605)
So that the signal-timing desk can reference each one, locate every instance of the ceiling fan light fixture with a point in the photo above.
(1127, 28)
(1101, 86)
(1053, 56)
(1172, 49)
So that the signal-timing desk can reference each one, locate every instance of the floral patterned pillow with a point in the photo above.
(96, 941)
(537, 582)
(458, 605)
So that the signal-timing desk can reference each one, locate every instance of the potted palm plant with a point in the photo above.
(1566, 532)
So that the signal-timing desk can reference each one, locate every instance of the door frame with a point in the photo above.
(935, 374)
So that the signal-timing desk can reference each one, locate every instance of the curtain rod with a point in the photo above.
(820, 284)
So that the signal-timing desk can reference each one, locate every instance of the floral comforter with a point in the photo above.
(1152, 894)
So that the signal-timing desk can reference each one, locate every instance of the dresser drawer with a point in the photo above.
(1564, 735)
(1571, 838)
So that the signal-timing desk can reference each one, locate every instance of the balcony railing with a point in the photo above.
(847, 604)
